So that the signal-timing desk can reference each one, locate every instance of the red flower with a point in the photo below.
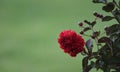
(71, 42)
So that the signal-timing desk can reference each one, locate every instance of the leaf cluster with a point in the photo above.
(107, 57)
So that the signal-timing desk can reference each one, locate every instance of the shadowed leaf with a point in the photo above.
(86, 29)
(109, 7)
(104, 40)
(107, 18)
(119, 3)
(97, 33)
(93, 23)
(85, 63)
(114, 29)
(116, 14)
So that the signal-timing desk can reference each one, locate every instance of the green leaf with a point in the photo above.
(108, 7)
(86, 29)
(92, 64)
(113, 60)
(99, 64)
(90, 23)
(116, 14)
(107, 18)
(107, 69)
(104, 40)
(87, 22)
(104, 50)
(89, 67)
(85, 63)
(93, 23)
(114, 29)
(114, 37)
(96, 34)
(119, 3)
(117, 44)
(86, 67)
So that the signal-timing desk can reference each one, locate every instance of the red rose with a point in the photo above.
(71, 42)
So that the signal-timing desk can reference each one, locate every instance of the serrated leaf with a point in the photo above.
(107, 18)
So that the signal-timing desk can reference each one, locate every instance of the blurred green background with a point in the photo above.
(29, 30)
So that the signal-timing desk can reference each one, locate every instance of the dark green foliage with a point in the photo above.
(107, 18)
(107, 57)
(96, 33)
(85, 64)
(93, 23)
(116, 14)
(109, 7)
(104, 40)
(119, 3)
(86, 29)
(114, 29)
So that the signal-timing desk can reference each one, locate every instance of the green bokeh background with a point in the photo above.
(29, 30)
